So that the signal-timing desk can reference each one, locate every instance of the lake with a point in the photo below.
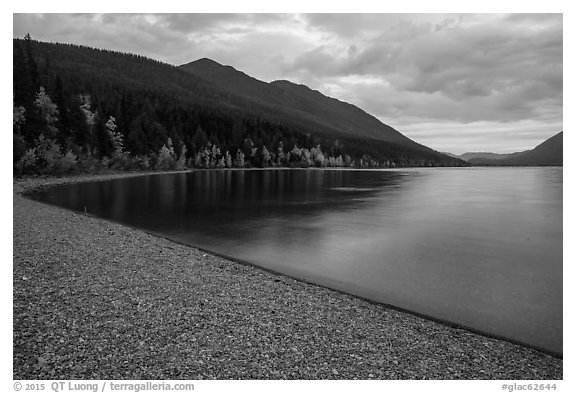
(480, 247)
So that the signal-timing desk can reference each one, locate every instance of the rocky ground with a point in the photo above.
(98, 300)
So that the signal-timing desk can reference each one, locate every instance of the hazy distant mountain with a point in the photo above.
(547, 153)
(300, 103)
(479, 156)
(450, 154)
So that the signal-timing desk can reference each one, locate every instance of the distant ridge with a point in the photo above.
(548, 153)
(478, 156)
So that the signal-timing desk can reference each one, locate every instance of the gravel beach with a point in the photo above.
(98, 300)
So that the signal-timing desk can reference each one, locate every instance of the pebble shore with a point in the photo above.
(94, 299)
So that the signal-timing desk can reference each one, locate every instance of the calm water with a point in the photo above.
(481, 247)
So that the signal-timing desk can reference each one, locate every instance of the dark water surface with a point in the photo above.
(481, 247)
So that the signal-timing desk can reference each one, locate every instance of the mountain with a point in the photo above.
(548, 153)
(479, 156)
(298, 102)
(196, 105)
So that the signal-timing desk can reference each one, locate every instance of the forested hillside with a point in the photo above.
(308, 107)
(84, 109)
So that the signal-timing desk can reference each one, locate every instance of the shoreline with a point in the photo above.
(303, 279)
(384, 337)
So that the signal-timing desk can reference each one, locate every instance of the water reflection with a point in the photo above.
(477, 246)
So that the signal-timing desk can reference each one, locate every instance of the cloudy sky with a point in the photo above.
(454, 82)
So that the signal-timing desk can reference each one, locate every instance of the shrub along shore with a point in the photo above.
(94, 299)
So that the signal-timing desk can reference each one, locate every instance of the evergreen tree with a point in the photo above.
(199, 140)
(229, 163)
(64, 121)
(165, 159)
(181, 163)
(18, 118)
(79, 129)
(101, 137)
(25, 76)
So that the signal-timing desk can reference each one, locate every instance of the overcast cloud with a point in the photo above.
(456, 83)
